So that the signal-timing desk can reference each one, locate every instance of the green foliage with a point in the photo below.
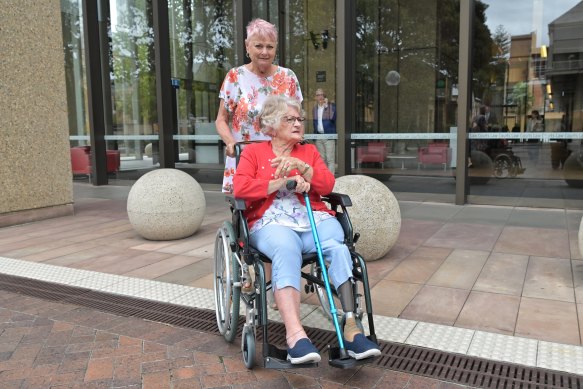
(201, 39)
(481, 51)
(521, 97)
(133, 64)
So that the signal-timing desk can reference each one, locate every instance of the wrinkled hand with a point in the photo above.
(230, 150)
(302, 186)
(284, 165)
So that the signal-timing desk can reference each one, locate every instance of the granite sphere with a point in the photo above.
(482, 168)
(166, 204)
(573, 170)
(374, 213)
(148, 150)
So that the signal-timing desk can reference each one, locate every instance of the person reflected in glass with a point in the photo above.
(491, 119)
(534, 124)
(324, 114)
(280, 228)
(479, 124)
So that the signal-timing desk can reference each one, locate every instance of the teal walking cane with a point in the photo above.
(291, 185)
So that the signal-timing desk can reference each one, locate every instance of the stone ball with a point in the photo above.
(482, 168)
(393, 78)
(166, 204)
(581, 238)
(374, 213)
(148, 150)
(573, 170)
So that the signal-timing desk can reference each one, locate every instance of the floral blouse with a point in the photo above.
(243, 93)
(287, 210)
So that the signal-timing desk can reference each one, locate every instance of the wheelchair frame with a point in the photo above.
(233, 256)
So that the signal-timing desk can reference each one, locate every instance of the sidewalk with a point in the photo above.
(52, 345)
(493, 282)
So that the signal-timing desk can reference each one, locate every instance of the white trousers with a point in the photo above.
(327, 149)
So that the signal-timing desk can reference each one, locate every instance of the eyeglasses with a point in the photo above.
(319, 94)
(292, 119)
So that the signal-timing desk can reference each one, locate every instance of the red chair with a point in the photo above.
(80, 162)
(113, 159)
(434, 153)
(372, 152)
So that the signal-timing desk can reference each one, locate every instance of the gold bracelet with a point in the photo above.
(307, 167)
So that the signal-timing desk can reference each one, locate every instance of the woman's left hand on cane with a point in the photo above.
(302, 186)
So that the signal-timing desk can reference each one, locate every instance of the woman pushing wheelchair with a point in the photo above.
(279, 223)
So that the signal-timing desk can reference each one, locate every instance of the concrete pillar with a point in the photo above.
(35, 167)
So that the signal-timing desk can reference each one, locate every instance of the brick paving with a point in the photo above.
(45, 344)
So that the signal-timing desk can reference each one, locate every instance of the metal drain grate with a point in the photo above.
(472, 371)
(460, 369)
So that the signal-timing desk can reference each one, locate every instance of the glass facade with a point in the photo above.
(406, 77)
(525, 84)
(202, 38)
(133, 81)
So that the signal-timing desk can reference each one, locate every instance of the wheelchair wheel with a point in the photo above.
(502, 166)
(226, 272)
(248, 347)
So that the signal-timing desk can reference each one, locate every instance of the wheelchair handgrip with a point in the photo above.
(338, 199)
(238, 151)
(332, 198)
(238, 204)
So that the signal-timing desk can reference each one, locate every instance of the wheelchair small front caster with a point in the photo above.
(248, 347)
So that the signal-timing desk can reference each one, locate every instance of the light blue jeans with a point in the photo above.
(285, 247)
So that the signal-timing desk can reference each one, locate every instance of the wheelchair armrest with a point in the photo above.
(338, 199)
(237, 204)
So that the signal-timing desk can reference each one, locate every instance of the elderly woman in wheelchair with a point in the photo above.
(281, 181)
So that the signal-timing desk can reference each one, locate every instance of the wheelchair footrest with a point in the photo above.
(346, 362)
(277, 359)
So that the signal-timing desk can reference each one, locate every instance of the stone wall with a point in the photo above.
(35, 170)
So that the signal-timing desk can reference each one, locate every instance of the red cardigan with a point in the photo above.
(254, 173)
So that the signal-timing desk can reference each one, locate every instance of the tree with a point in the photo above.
(482, 49)
(133, 63)
(521, 97)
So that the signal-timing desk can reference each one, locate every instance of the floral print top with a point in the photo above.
(287, 210)
(243, 93)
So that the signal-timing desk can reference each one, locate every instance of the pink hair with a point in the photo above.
(261, 28)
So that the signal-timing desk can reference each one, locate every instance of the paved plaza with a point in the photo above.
(501, 283)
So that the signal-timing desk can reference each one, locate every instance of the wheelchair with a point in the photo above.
(234, 257)
(506, 163)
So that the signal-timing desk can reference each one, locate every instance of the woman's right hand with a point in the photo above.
(230, 150)
(275, 184)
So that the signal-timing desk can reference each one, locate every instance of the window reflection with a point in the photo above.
(71, 12)
(527, 74)
(133, 82)
(202, 45)
(406, 78)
